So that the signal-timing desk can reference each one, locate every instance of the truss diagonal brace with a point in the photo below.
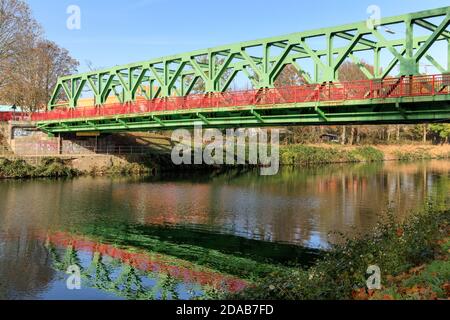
(122, 123)
(257, 116)
(158, 121)
(401, 110)
(203, 118)
(321, 114)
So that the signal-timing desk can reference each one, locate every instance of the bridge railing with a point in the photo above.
(355, 90)
(13, 116)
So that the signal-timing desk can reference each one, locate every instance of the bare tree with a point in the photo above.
(17, 27)
(289, 76)
(29, 65)
(18, 30)
(32, 74)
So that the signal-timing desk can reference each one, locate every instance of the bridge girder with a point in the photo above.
(405, 110)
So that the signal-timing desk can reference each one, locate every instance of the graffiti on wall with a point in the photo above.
(30, 143)
(37, 148)
(23, 132)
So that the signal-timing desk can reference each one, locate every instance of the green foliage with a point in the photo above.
(48, 168)
(298, 154)
(413, 155)
(443, 130)
(394, 247)
(304, 155)
(435, 275)
(367, 154)
(13, 169)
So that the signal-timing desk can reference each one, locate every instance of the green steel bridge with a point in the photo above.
(182, 90)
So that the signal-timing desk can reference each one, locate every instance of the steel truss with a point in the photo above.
(262, 61)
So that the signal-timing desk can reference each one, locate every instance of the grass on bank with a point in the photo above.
(419, 154)
(397, 248)
(129, 169)
(305, 155)
(56, 168)
(48, 168)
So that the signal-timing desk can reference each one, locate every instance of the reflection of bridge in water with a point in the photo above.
(125, 272)
(140, 261)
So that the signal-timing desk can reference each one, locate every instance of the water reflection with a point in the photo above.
(218, 229)
(299, 206)
(135, 274)
(25, 269)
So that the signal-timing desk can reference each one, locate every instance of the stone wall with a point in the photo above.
(26, 140)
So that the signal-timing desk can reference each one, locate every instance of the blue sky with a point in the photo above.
(116, 32)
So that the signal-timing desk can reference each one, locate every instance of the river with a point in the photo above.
(186, 236)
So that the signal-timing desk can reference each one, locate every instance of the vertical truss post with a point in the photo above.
(376, 64)
(448, 55)
(331, 75)
(210, 83)
(265, 81)
(409, 66)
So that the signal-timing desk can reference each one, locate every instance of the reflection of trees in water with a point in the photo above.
(24, 267)
(298, 205)
(303, 203)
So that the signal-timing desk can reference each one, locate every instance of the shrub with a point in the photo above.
(48, 168)
(413, 156)
(394, 247)
(369, 154)
(305, 155)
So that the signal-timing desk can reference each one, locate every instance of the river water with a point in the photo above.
(187, 236)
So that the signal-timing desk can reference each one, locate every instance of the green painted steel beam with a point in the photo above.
(158, 121)
(217, 67)
(321, 114)
(122, 123)
(257, 116)
(374, 111)
(436, 64)
(203, 118)
(391, 117)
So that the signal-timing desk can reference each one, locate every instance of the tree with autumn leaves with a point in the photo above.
(29, 64)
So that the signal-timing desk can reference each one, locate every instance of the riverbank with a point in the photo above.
(290, 155)
(412, 256)
(329, 153)
(98, 166)
(47, 168)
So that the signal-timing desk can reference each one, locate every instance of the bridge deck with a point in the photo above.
(395, 100)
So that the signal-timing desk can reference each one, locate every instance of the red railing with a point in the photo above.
(8, 116)
(354, 90)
